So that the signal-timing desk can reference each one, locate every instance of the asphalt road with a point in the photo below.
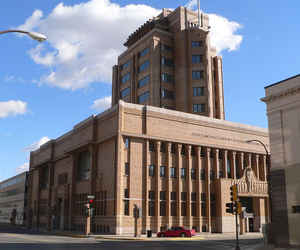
(18, 239)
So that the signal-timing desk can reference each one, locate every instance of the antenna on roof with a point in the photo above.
(199, 20)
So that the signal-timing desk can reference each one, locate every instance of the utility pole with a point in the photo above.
(88, 213)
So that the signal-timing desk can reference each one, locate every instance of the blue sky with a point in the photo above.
(45, 89)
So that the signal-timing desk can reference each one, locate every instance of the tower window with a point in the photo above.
(196, 44)
(125, 78)
(167, 62)
(125, 92)
(167, 94)
(197, 59)
(125, 65)
(198, 91)
(167, 78)
(143, 81)
(166, 47)
(199, 108)
(144, 52)
(197, 74)
(143, 66)
(143, 97)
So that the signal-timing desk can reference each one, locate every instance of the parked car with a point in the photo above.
(177, 232)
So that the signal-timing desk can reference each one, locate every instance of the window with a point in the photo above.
(296, 209)
(193, 209)
(183, 208)
(167, 61)
(237, 168)
(167, 94)
(197, 44)
(125, 92)
(62, 179)
(202, 173)
(126, 168)
(101, 202)
(197, 74)
(144, 52)
(151, 195)
(44, 178)
(221, 173)
(173, 148)
(202, 152)
(143, 66)
(183, 196)
(166, 47)
(183, 150)
(173, 196)
(126, 142)
(197, 59)
(199, 108)
(229, 168)
(151, 170)
(125, 65)
(172, 172)
(151, 211)
(126, 207)
(165, 77)
(143, 81)
(198, 91)
(173, 208)
(126, 193)
(151, 146)
(143, 97)
(203, 209)
(212, 174)
(162, 171)
(193, 173)
(163, 147)
(193, 196)
(203, 197)
(84, 166)
(193, 151)
(183, 173)
(125, 77)
(213, 209)
(162, 203)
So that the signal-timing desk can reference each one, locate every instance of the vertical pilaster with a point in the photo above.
(241, 164)
(199, 186)
(225, 155)
(168, 191)
(179, 185)
(256, 166)
(233, 165)
(145, 221)
(207, 170)
(189, 185)
(217, 165)
(264, 167)
(72, 190)
(157, 185)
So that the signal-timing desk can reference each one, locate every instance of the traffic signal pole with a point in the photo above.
(237, 227)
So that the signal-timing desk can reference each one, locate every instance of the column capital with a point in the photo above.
(168, 146)
(208, 150)
(179, 146)
(233, 153)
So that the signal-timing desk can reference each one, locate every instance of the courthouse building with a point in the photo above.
(163, 145)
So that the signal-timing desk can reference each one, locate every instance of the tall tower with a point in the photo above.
(170, 63)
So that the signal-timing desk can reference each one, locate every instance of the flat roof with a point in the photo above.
(276, 83)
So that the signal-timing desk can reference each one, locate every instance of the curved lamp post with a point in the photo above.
(268, 162)
(34, 35)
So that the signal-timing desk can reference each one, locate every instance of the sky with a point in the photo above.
(47, 88)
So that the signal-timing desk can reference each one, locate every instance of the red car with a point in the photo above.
(177, 232)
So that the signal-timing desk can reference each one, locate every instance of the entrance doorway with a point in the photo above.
(251, 225)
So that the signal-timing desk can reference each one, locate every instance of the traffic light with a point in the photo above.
(230, 208)
(238, 207)
(233, 193)
(91, 202)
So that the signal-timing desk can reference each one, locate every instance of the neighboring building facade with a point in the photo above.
(177, 167)
(283, 109)
(13, 195)
(170, 63)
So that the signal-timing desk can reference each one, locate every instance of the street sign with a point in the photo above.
(91, 197)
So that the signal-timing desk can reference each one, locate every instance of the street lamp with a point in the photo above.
(34, 35)
(268, 162)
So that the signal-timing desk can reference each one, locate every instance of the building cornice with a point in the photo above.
(288, 92)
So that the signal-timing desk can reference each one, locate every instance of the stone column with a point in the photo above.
(145, 219)
(217, 165)
(241, 164)
(168, 189)
(179, 184)
(249, 162)
(264, 167)
(189, 185)
(225, 155)
(207, 168)
(256, 166)
(199, 186)
(233, 165)
(157, 186)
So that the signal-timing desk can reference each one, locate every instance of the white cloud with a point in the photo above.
(223, 31)
(85, 40)
(12, 108)
(102, 103)
(22, 168)
(36, 145)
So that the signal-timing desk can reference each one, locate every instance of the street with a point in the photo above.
(21, 239)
